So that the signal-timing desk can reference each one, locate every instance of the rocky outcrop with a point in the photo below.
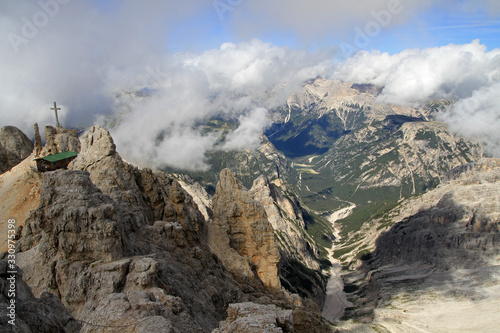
(59, 139)
(299, 267)
(125, 248)
(146, 195)
(86, 248)
(15, 146)
(453, 231)
(256, 318)
(28, 313)
(285, 215)
(241, 235)
(38, 140)
(135, 245)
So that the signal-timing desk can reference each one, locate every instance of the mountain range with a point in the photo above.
(351, 216)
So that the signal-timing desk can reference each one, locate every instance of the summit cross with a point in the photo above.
(55, 108)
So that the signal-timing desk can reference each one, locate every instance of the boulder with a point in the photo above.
(15, 146)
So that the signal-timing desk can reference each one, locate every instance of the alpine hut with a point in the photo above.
(55, 161)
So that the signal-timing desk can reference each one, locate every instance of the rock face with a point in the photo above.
(15, 146)
(127, 249)
(286, 216)
(454, 233)
(59, 139)
(134, 246)
(399, 155)
(256, 318)
(240, 234)
(299, 267)
(460, 231)
(44, 314)
(38, 140)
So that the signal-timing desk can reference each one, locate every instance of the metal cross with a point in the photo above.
(55, 108)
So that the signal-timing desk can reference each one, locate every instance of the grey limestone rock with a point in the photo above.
(59, 139)
(15, 146)
(43, 314)
(241, 235)
(454, 228)
(256, 318)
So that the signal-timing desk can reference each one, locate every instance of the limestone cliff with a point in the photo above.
(285, 215)
(59, 139)
(299, 267)
(241, 235)
(15, 146)
(128, 249)
(30, 314)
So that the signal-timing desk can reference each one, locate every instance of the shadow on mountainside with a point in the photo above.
(447, 249)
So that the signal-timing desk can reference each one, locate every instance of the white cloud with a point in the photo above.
(478, 116)
(238, 81)
(415, 76)
(247, 135)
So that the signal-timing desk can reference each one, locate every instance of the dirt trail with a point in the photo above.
(19, 195)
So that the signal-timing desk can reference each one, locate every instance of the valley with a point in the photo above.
(361, 167)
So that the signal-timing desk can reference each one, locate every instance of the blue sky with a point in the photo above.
(428, 26)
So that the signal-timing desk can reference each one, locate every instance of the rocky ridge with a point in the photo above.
(240, 233)
(300, 268)
(129, 248)
(417, 154)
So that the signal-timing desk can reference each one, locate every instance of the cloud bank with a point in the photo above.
(92, 56)
(237, 81)
(478, 116)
